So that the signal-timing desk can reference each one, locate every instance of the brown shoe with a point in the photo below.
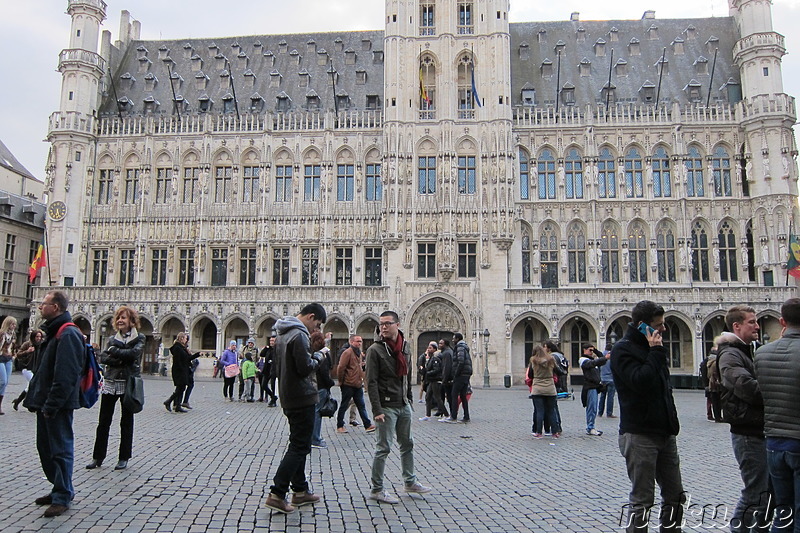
(55, 510)
(278, 504)
(341, 430)
(304, 498)
(371, 428)
(43, 500)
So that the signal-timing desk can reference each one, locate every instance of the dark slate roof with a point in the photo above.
(22, 210)
(7, 160)
(263, 57)
(699, 37)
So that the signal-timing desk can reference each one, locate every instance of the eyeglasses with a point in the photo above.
(385, 324)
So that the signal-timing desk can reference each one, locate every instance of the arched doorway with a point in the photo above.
(615, 331)
(529, 332)
(103, 332)
(170, 330)
(86, 328)
(575, 333)
(149, 364)
(677, 339)
(340, 335)
(264, 330)
(437, 318)
(770, 329)
(367, 331)
(236, 330)
(204, 335)
(711, 330)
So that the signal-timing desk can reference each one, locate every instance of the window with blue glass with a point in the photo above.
(662, 186)
(606, 175)
(427, 175)
(721, 165)
(374, 186)
(694, 173)
(524, 176)
(283, 183)
(546, 170)
(466, 174)
(311, 181)
(345, 183)
(634, 184)
(573, 174)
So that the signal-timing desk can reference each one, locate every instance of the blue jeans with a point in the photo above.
(316, 436)
(5, 375)
(607, 400)
(753, 508)
(357, 395)
(591, 408)
(397, 423)
(292, 470)
(55, 443)
(784, 470)
(649, 459)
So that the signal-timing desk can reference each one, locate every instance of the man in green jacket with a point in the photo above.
(389, 388)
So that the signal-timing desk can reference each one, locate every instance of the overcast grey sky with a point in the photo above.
(33, 32)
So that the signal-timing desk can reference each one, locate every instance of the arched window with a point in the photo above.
(671, 339)
(721, 165)
(727, 253)
(427, 88)
(548, 247)
(665, 252)
(606, 175)
(637, 252)
(526, 256)
(609, 245)
(529, 344)
(751, 254)
(524, 176)
(546, 170)
(634, 184)
(466, 98)
(694, 173)
(662, 184)
(427, 174)
(578, 335)
(573, 174)
(699, 242)
(576, 254)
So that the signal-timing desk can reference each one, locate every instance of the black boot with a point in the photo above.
(19, 399)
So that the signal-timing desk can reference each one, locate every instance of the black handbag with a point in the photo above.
(133, 399)
(329, 407)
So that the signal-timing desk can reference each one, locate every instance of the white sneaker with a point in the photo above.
(417, 488)
(595, 432)
(420, 401)
(383, 496)
(424, 418)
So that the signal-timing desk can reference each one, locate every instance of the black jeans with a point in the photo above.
(177, 396)
(188, 389)
(460, 387)
(434, 396)
(264, 385)
(107, 406)
(292, 470)
(227, 387)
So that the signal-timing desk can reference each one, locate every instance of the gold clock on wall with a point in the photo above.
(57, 210)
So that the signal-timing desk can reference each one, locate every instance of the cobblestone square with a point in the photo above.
(210, 470)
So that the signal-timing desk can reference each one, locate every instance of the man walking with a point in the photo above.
(743, 409)
(351, 380)
(296, 366)
(389, 388)
(462, 370)
(53, 394)
(778, 372)
(447, 375)
(590, 363)
(608, 390)
(648, 420)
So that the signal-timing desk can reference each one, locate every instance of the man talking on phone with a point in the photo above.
(648, 421)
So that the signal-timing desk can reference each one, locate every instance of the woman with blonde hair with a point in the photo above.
(543, 392)
(122, 359)
(8, 346)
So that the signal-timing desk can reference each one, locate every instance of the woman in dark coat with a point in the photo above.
(181, 371)
(121, 358)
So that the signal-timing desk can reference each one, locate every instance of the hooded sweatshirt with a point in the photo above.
(294, 364)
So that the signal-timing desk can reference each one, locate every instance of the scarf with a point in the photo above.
(125, 339)
(396, 348)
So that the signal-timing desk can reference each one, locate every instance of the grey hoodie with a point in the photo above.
(294, 365)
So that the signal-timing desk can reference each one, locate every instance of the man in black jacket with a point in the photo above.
(590, 364)
(648, 420)
(743, 409)
(296, 366)
(447, 374)
(462, 371)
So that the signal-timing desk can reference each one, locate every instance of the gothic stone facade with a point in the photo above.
(530, 179)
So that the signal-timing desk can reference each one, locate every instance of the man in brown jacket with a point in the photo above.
(351, 379)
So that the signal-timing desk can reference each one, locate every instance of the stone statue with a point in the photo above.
(716, 258)
(764, 253)
(745, 257)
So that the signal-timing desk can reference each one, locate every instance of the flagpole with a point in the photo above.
(791, 224)
(49, 272)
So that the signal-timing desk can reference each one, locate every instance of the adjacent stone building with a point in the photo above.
(528, 180)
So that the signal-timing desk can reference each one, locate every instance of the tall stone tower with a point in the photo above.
(72, 135)
(448, 155)
(768, 116)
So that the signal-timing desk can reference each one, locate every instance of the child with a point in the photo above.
(249, 376)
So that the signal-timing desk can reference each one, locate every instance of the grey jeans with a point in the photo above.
(754, 507)
(397, 422)
(653, 459)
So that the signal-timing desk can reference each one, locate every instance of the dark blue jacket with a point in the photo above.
(641, 376)
(55, 386)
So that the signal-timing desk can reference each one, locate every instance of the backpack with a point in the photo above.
(89, 382)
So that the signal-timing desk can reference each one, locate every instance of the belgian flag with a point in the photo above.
(793, 261)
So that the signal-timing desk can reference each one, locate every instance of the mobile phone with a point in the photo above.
(645, 329)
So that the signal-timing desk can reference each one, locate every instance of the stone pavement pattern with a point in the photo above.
(210, 470)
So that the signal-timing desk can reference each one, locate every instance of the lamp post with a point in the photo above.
(103, 329)
(485, 336)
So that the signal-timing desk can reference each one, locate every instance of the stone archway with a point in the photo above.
(528, 332)
(367, 329)
(340, 335)
(204, 335)
(149, 364)
(237, 330)
(437, 318)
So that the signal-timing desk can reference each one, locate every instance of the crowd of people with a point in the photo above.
(755, 389)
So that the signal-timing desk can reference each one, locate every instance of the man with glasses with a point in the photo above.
(389, 388)
(53, 394)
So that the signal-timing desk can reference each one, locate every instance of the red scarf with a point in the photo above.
(396, 348)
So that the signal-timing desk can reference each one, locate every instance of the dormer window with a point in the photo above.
(188, 51)
(257, 44)
(150, 82)
(249, 78)
(701, 66)
(179, 104)
(647, 92)
(338, 44)
(220, 61)
(177, 79)
(662, 66)
(692, 91)
(256, 103)
(621, 67)
(541, 35)
(163, 51)
(652, 32)
(304, 76)
(197, 63)
(311, 47)
(377, 57)
(295, 58)
(224, 79)
(204, 104)
(585, 67)
(528, 95)
(613, 34)
(373, 102)
(366, 45)
(150, 105)
(580, 35)
(126, 81)
(269, 58)
(733, 91)
(349, 57)
(634, 47)
(242, 60)
(124, 105)
(200, 81)
(283, 46)
(283, 103)
(691, 32)
(235, 46)
(608, 94)
(322, 57)
(547, 68)
(275, 78)
(228, 103)
(144, 65)
(141, 51)
(312, 100)
(559, 47)
(524, 51)
(342, 101)
(213, 48)
(568, 94)
(361, 77)
(712, 44)
(600, 48)
(678, 47)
